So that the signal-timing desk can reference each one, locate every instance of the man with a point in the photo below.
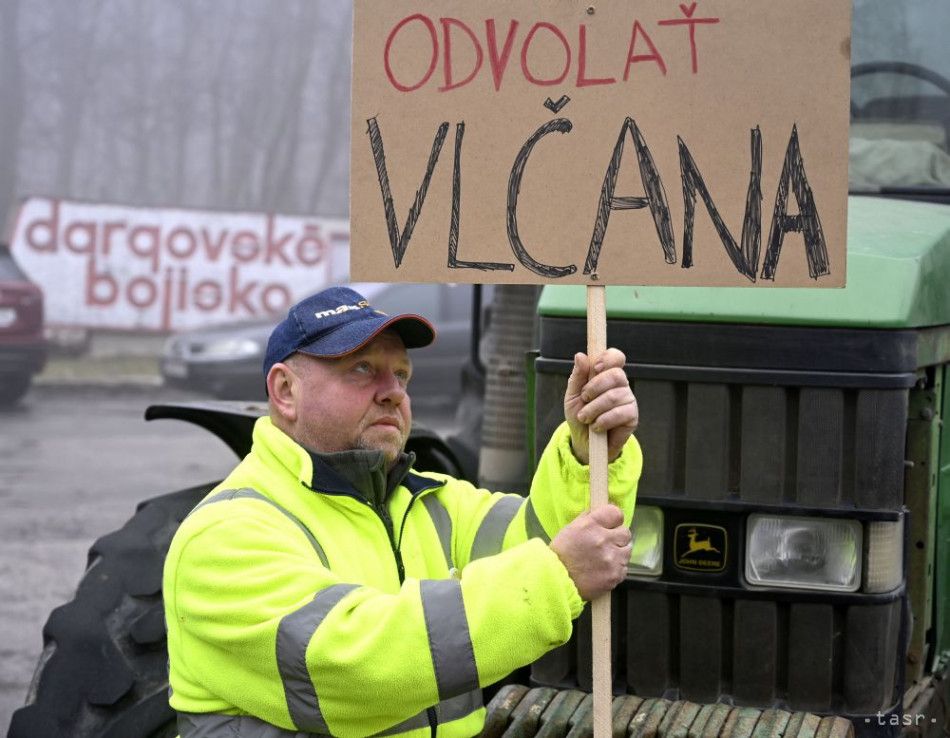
(325, 588)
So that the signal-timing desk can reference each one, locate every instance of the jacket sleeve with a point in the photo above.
(486, 523)
(275, 634)
(503, 538)
(560, 490)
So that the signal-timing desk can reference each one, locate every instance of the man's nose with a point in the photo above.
(390, 389)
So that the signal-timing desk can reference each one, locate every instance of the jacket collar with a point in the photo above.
(358, 473)
(322, 473)
(417, 483)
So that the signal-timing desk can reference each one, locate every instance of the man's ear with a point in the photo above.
(281, 382)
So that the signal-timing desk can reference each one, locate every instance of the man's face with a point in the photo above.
(358, 401)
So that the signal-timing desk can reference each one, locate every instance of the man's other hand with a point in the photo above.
(595, 549)
(603, 401)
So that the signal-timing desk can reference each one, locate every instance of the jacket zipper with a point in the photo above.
(384, 518)
(433, 720)
(387, 522)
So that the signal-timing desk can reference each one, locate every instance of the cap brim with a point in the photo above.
(414, 330)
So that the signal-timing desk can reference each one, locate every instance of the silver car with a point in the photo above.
(225, 361)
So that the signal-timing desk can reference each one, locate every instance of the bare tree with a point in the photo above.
(239, 104)
(336, 126)
(11, 102)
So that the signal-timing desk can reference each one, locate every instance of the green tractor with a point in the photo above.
(792, 535)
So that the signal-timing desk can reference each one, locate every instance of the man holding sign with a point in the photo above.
(325, 587)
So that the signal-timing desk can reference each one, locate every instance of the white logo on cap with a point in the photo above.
(341, 309)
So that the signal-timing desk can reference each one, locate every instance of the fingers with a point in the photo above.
(607, 516)
(595, 550)
(613, 408)
(579, 376)
(610, 518)
(614, 568)
(609, 359)
(622, 537)
(624, 561)
(608, 373)
(607, 403)
(604, 381)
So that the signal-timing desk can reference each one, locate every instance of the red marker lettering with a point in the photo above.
(524, 55)
(692, 22)
(447, 24)
(634, 58)
(582, 79)
(499, 62)
(430, 26)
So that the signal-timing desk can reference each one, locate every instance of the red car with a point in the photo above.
(22, 345)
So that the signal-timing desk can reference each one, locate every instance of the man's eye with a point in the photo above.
(403, 376)
(363, 367)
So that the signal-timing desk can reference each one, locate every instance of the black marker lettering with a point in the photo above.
(746, 258)
(655, 199)
(561, 125)
(400, 241)
(806, 222)
(454, 263)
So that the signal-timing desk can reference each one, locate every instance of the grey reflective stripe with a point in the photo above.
(293, 635)
(443, 526)
(458, 707)
(446, 711)
(206, 726)
(420, 720)
(211, 725)
(450, 642)
(533, 525)
(491, 532)
(235, 494)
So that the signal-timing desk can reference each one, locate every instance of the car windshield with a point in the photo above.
(900, 97)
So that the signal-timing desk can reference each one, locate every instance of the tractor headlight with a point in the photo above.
(804, 553)
(646, 558)
(885, 564)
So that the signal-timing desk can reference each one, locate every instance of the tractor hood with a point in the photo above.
(898, 259)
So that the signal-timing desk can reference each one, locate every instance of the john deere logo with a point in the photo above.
(699, 547)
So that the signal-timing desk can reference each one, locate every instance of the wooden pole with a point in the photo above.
(600, 607)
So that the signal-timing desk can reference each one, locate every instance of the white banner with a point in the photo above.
(111, 266)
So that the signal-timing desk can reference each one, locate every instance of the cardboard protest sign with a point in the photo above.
(657, 142)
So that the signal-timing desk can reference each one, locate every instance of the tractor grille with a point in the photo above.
(793, 655)
(772, 435)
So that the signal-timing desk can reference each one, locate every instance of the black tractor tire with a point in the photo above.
(103, 672)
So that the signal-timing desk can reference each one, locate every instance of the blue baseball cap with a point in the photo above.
(336, 322)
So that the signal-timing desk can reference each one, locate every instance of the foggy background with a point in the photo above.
(211, 104)
(218, 104)
(231, 104)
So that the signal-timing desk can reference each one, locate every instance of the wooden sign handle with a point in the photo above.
(600, 607)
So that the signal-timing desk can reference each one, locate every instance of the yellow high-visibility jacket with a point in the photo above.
(292, 600)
